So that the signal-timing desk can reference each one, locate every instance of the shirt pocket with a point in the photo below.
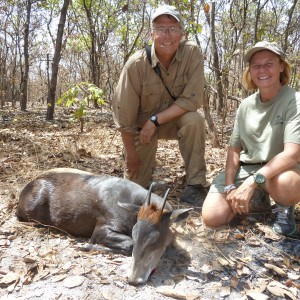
(179, 85)
(151, 97)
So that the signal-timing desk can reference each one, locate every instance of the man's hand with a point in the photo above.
(131, 157)
(132, 165)
(147, 132)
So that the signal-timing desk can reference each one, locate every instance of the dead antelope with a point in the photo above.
(116, 214)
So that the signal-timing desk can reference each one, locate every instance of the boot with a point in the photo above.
(285, 220)
(194, 194)
(260, 202)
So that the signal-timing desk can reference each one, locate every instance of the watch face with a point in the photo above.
(259, 178)
(154, 120)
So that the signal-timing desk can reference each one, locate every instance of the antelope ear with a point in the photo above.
(129, 206)
(179, 215)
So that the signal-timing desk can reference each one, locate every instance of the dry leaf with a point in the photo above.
(3, 243)
(81, 271)
(278, 289)
(253, 241)
(261, 285)
(9, 278)
(58, 278)
(257, 295)
(246, 260)
(293, 275)
(67, 266)
(206, 268)
(269, 233)
(244, 271)
(290, 283)
(49, 253)
(217, 266)
(275, 268)
(287, 262)
(185, 295)
(106, 295)
(239, 236)
(223, 261)
(11, 288)
(41, 275)
(234, 282)
(225, 291)
(73, 281)
(29, 260)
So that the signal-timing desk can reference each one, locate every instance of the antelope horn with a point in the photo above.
(148, 199)
(165, 200)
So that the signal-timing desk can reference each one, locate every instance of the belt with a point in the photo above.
(251, 164)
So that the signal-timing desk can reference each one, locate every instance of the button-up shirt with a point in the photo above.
(140, 92)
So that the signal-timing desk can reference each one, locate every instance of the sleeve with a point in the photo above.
(292, 122)
(235, 138)
(191, 98)
(126, 99)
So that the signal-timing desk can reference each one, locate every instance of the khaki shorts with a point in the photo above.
(242, 174)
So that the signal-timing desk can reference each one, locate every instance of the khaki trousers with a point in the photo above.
(189, 130)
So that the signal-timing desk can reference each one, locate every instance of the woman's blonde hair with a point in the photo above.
(285, 76)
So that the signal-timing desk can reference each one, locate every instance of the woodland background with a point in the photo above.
(48, 46)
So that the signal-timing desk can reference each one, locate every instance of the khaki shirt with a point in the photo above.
(140, 92)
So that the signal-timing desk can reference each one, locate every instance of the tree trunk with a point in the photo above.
(24, 85)
(56, 60)
(287, 30)
(216, 64)
(94, 60)
(2, 77)
(212, 130)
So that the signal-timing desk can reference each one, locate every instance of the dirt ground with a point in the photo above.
(243, 261)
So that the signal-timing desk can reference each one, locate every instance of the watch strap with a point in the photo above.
(153, 119)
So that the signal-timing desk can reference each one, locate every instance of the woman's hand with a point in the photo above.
(240, 197)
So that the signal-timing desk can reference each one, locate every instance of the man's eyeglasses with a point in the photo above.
(173, 30)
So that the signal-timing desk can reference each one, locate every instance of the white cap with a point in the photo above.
(167, 10)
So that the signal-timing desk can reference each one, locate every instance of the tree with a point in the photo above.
(56, 60)
(215, 56)
(24, 84)
(78, 98)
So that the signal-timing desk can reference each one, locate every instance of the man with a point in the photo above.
(148, 107)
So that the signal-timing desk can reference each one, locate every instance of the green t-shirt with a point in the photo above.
(262, 129)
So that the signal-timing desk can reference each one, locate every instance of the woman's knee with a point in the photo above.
(284, 188)
(216, 211)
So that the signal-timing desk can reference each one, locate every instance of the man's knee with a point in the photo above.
(193, 118)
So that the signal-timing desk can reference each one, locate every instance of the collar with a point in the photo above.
(178, 55)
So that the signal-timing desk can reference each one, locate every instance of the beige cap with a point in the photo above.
(167, 10)
(264, 45)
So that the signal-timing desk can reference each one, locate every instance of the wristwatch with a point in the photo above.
(154, 120)
(259, 179)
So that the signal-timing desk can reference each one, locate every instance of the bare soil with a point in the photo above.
(245, 260)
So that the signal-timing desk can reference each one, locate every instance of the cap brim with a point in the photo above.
(252, 51)
(165, 13)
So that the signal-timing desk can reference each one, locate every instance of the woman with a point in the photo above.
(264, 149)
